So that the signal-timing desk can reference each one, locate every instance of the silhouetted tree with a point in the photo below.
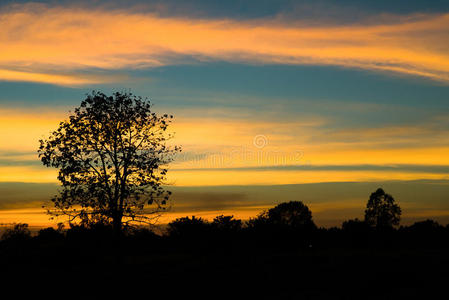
(381, 210)
(282, 221)
(19, 232)
(355, 226)
(144, 234)
(226, 224)
(50, 234)
(428, 233)
(285, 225)
(95, 233)
(293, 214)
(259, 222)
(425, 226)
(226, 231)
(188, 227)
(357, 233)
(112, 156)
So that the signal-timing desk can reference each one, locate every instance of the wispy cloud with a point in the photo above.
(73, 79)
(57, 45)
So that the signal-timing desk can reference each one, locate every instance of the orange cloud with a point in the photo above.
(41, 43)
(69, 80)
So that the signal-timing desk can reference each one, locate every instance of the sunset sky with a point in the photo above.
(318, 101)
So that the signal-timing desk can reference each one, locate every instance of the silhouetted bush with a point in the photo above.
(425, 227)
(288, 215)
(143, 236)
(294, 215)
(226, 232)
(18, 233)
(355, 226)
(50, 234)
(259, 223)
(188, 227)
(424, 233)
(357, 233)
(226, 224)
(93, 233)
(288, 223)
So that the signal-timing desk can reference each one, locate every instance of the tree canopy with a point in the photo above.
(293, 215)
(382, 211)
(112, 156)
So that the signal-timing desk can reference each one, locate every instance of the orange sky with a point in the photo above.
(54, 44)
(258, 101)
(227, 144)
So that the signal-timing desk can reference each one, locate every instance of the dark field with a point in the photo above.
(325, 264)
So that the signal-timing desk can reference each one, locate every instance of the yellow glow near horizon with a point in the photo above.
(223, 144)
(257, 177)
(218, 177)
(39, 218)
(38, 38)
(323, 214)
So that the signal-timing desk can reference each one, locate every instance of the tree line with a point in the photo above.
(287, 224)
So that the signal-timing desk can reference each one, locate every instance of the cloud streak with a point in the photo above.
(60, 45)
(293, 152)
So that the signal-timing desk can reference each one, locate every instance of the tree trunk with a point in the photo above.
(117, 228)
(117, 225)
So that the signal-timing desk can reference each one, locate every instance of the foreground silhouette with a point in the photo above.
(112, 159)
(280, 253)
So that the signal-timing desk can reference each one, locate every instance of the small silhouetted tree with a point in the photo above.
(356, 232)
(381, 210)
(19, 232)
(112, 158)
(187, 227)
(355, 226)
(424, 228)
(426, 225)
(293, 215)
(287, 224)
(226, 224)
(51, 234)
